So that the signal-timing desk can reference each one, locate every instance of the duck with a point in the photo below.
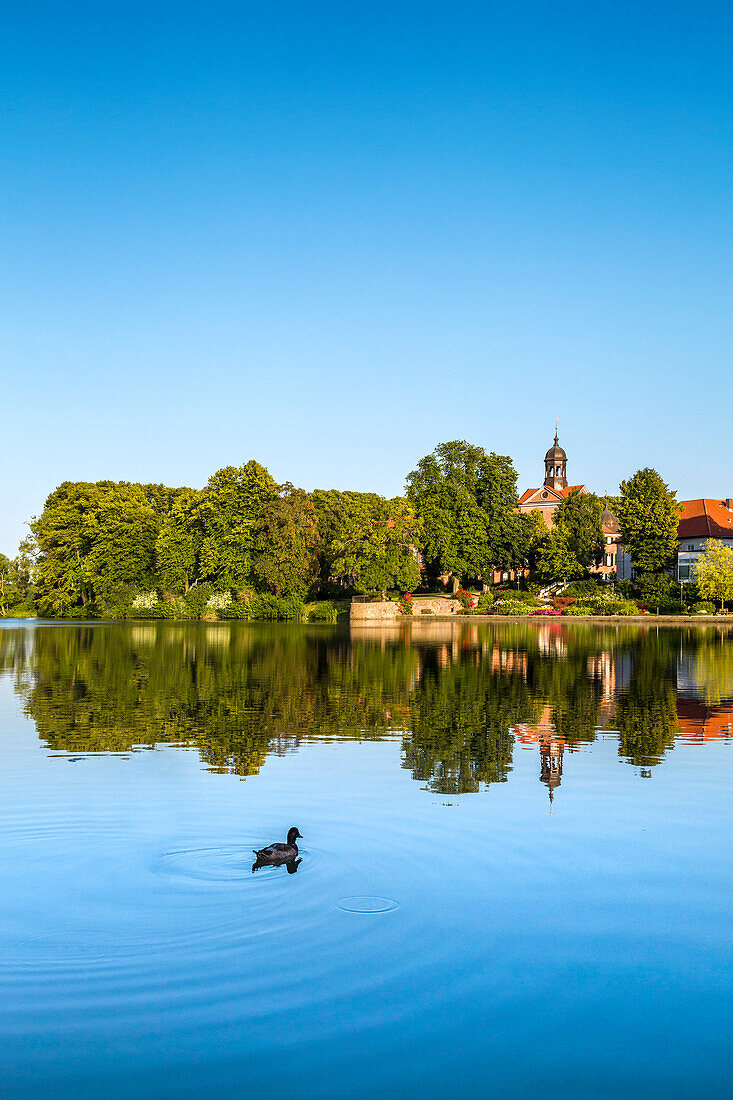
(280, 853)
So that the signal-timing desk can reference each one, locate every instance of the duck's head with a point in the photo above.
(293, 835)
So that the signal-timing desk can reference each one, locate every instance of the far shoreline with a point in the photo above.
(375, 624)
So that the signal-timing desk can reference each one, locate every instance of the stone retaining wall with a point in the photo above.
(388, 610)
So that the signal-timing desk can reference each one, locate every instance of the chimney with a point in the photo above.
(729, 504)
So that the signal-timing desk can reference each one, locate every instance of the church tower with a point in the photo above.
(556, 462)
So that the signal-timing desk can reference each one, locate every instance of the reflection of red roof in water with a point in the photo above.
(700, 723)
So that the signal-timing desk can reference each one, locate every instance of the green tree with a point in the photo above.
(93, 539)
(6, 590)
(714, 571)
(63, 577)
(287, 544)
(466, 500)
(379, 554)
(121, 532)
(648, 514)
(556, 560)
(579, 516)
(178, 546)
(231, 506)
(532, 535)
(339, 512)
(24, 567)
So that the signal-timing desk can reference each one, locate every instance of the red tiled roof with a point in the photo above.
(705, 519)
(557, 493)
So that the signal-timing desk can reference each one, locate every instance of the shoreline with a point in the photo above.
(637, 620)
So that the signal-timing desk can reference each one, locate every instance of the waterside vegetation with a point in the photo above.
(246, 547)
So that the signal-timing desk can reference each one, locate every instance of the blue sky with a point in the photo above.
(330, 236)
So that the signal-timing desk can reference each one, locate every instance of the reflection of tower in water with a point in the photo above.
(551, 753)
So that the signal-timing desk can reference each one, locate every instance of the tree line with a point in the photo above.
(104, 548)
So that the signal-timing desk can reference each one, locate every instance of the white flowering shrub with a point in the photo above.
(145, 601)
(219, 601)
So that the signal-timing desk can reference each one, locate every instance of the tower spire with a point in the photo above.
(556, 464)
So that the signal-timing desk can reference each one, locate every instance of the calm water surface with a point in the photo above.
(515, 879)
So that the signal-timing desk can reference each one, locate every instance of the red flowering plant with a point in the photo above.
(404, 603)
(547, 611)
(465, 599)
(564, 601)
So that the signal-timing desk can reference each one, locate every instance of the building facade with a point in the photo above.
(554, 489)
(701, 520)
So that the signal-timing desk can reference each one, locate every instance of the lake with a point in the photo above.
(515, 877)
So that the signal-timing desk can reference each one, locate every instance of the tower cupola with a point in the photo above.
(556, 462)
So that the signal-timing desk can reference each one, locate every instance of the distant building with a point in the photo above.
(553, 489)
(701, 519)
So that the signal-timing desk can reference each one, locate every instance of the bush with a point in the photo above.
(219, 601)
(484, 604)
(404, 604)
(583, 588)
(322, 612)
(703, 607)
(236, 609)
(527, 598)
(619, 607)
(20, 611)
(196, 598)
(656, 589)
(276, 608)
(464, 598)
(505, 606)
(577, 609)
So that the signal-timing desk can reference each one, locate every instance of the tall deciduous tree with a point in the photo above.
(379, 554)
(648, 514)
(578, 515)
(714, 571)
(556, 560)
(286, 544)
(93, 539)
(466, 499)
(121, 531)
(179, 542)
(231, 506)
(5, 583)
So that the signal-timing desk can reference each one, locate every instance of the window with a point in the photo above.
(690, 546)
(609, 538)
(608, 559)
(684, 572)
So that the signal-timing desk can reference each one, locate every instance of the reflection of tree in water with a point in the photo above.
(233, 692)
(462, 718)
(713, 670)
(573, 693)
(455, 691)
(647, 711)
